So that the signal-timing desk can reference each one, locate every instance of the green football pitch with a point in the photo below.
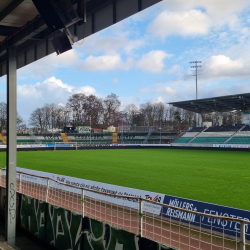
(221, 177)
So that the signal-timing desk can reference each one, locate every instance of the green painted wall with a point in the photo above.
(68, 231)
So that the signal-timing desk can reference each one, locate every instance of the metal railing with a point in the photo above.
(159, 222)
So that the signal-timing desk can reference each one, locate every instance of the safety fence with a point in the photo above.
(159, 222)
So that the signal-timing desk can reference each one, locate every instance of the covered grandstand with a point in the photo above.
(217, 134)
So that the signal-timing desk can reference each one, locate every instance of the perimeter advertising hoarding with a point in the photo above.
(231, 145)
(192, 205)
(207, 208)
(103, 187)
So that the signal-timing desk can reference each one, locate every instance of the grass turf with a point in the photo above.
(221, 177)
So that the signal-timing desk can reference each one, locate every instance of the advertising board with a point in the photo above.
(103, 187)
(228, 227)
(83, 129)
(231, 145)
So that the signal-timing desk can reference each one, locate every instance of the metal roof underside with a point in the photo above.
(216, 104)
(22, 26)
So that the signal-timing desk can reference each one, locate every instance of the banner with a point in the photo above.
(229, 227)
(219, 225)
(103, 187)
(58, 145)
(231, 145)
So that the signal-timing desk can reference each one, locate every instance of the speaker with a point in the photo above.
(61, 42)
(57, 14)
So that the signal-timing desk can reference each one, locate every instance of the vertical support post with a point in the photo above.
(20, 183)
(11, 148)
(47, 191)
(141, 218)
(83, 200)
(196, 76)
(242, 236)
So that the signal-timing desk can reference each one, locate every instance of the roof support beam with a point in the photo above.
(28, 31)
(208, 107)
(246, 99)
(5, 12)
(233, 106)
(7, 30)
(192, 109)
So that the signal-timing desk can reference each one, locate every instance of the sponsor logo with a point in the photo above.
(157, 198)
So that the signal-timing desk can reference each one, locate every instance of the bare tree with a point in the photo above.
(3, 117)
(131, 112)
(111, 105)
(93, 109)
(76, 104)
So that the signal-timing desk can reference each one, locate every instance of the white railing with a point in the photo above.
(141, 218)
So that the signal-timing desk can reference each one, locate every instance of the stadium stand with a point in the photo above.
(196, 129)
(241, 137)
(216, 135)
(238, 134)
(190, 135)
(105, 137)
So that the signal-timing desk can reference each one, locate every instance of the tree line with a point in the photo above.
(3, 117)
(83, 110)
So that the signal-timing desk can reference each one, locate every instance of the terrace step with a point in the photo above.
(64, 137)
(234, 134)
(3, 139)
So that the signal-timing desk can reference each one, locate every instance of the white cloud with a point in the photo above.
(116, 80)
(52, 90)
(221, 8)
(166, 90)
(144, 90)
(222, 66)
(153, 61)
(110, 43)
(159, 99)
(174, 69)
(237, 88)
(49, 64)
(102, 63)
(191, 18)
(189, 23)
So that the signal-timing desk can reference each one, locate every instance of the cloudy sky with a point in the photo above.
(146, 58)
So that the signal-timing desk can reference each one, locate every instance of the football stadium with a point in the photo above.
(115, 182)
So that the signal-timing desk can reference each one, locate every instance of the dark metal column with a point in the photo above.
(11, 148)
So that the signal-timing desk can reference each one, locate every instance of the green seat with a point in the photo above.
(183, 140)
(239, 140)
(210, 140)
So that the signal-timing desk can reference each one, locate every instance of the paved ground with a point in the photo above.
(24, 241)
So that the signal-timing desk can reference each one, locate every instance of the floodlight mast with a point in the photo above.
(196, 77)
